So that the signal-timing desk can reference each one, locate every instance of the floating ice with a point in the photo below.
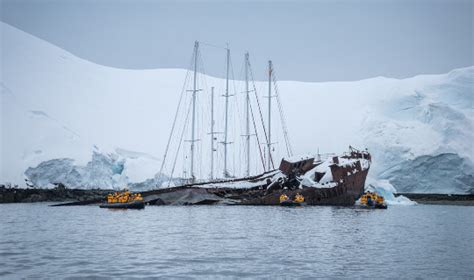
(385, 189)
(107, 171)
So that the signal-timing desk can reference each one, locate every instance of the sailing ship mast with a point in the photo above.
(212, 133)
(193, 129)
(269, 144)
(192, 110)
(225, 143)
(247, 113)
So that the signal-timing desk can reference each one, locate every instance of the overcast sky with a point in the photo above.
(307, 40)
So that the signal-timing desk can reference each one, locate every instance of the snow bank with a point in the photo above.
(297, 158)
(308, 179)
(55, 105)
(326, 181)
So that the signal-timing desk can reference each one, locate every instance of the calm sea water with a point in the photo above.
(422, 241)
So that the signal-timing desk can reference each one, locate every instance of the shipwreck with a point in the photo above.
(336, 180)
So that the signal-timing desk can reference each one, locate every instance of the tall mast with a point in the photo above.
(212, 133)
(269, 114)
(193, 132)
(247, 111)
(226, 173)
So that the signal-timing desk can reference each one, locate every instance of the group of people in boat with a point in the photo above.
(372, 199)
(124, 197)
(297, 199)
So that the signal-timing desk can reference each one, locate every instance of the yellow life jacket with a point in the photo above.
(283, 197)
(299, 198)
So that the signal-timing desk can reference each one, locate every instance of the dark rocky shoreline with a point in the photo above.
(60, 193)
(446, 199)
(57, 194)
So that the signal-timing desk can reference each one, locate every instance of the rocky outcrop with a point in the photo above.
(10, 194)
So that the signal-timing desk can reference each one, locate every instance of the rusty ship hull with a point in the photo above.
(345, 187)
(344, 194)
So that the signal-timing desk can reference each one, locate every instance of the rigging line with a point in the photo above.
(258, 102)
(175, 118)
(212, 45)
(232, 74)
(205, 116)
(237, 93)
(221, 47)
(202, 113)
(256, 136)
(259, 147)
(184, 163)
(180, 142)
(283, 118)
(233, 117)
(203, 70)
(205, 86)
(260, 111)
(240, 117)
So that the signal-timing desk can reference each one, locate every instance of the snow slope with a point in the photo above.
(57, 106)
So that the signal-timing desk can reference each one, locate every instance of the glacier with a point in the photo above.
(87, 125)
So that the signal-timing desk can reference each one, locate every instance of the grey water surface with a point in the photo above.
(421, 241)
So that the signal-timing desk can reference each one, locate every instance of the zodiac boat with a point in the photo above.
(124, 200)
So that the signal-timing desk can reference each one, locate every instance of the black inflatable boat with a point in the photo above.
(128, 205)
(290, 203)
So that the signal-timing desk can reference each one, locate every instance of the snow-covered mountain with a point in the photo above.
(67, 119)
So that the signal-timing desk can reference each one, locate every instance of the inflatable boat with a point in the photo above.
(126, 205)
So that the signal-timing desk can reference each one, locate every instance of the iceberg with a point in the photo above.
(385, 189)
(105, 171)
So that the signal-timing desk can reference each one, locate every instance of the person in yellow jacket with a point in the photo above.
(110, 198)
(379, 199)
(299, 198)
(283, 197)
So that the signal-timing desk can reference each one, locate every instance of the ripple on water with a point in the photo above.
(237, 242)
